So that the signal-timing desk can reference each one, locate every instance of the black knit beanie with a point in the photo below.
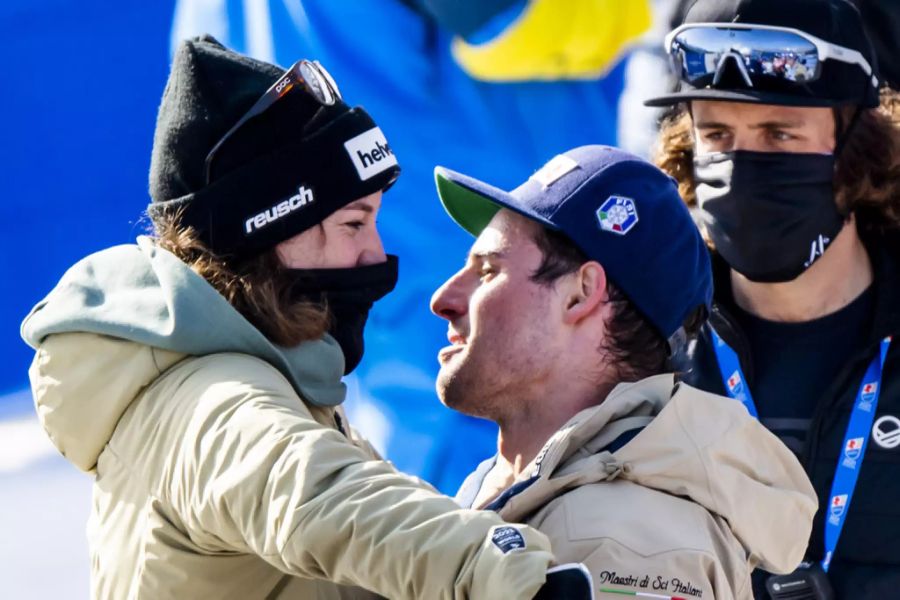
(279, 174)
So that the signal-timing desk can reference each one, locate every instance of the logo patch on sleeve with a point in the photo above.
(370, 153)
(508, 539)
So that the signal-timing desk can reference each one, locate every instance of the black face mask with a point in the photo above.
(349, 294)
(771, 215)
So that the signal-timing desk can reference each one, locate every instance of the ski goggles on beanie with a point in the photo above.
(249, 155)
(310, 76)
(290, 189)
(700, 51)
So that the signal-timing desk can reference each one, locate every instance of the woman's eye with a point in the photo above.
(355, 225)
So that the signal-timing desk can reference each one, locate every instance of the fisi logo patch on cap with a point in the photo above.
(617, 214)
(370, 153)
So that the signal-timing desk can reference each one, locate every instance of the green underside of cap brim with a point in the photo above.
(469, 209)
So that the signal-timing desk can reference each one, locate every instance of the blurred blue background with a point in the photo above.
(492, 88)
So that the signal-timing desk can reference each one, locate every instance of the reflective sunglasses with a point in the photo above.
(700, 50)
(309, 75)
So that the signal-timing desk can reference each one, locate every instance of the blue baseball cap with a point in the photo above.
(619, 210)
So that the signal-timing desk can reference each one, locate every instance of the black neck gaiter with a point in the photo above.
(771, 215)
(349, 295)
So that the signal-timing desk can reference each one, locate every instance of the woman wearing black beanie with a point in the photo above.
(197, 374)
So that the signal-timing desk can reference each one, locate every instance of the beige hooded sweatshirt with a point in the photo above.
(664, 489)
(222, 469)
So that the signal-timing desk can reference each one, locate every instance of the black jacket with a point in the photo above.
(867, 559)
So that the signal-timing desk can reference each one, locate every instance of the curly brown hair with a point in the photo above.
(257, 287)
(867, 173)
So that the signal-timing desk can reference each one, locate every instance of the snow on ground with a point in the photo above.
(44, 504)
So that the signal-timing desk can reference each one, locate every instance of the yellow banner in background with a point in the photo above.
(553, 40)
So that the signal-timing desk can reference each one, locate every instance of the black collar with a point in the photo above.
(884, 252)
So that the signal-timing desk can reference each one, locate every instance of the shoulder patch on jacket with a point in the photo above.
(508, 539)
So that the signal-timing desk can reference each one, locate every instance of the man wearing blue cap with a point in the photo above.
(580, 285)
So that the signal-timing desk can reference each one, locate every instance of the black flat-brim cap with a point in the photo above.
(687, 94)
(835, 21)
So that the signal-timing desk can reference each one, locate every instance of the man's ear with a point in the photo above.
(587, 293)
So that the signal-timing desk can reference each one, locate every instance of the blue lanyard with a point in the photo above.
(855, 439)
(732, 375)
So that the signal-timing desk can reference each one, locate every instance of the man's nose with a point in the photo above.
(745, 140)
(450, 300)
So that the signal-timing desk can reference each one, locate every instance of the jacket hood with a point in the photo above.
(143, 310)
(692, 444)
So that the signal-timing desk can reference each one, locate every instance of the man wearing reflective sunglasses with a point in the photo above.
(795, 176)
(197, 374)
